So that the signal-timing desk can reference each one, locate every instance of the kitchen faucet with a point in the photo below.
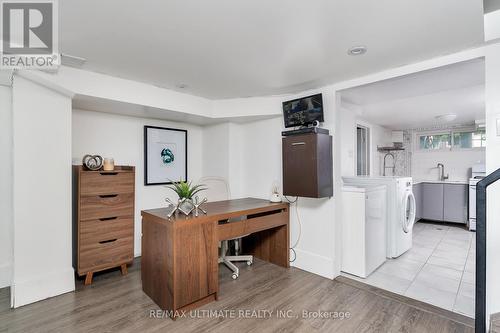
(442, 177)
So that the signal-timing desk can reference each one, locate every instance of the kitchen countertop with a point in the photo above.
(457, 182)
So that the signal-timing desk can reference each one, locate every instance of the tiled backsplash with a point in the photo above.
(423, 165)
(457, 164)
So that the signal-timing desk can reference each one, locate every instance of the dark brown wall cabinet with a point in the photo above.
(307, 165)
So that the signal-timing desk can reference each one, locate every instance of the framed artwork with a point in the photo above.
(165, 155)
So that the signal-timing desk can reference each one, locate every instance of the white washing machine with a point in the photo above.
(400, 210)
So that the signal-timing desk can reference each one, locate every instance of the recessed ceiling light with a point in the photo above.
(357, 50)
(446, 118)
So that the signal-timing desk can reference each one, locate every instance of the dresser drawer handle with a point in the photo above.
(108, 241)
(108, 218)
(298, 144)
(108, 196)
(108, 173)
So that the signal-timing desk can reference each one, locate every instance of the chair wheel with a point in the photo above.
(234, 276)
(249, 262)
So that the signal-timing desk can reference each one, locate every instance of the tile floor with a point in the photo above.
(439, 269)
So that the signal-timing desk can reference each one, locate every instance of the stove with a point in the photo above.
(478, 173)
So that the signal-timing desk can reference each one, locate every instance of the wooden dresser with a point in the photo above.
(103, 219)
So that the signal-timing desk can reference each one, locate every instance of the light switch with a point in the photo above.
(498, 126)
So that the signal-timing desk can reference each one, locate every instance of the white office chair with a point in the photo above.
(218, 190)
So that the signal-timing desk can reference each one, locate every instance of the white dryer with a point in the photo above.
(400, 210)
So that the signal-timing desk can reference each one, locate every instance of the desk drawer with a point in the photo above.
(252, 224)
(102, 206)
(231, 230)
(106, 182)
(105, 243)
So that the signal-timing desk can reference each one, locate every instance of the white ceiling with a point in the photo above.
(228, 48)
(413, 101)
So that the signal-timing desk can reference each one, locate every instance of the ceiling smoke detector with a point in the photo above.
(446, 118)
(357, 50)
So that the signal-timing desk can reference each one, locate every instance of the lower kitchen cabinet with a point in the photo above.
(442, 202)
(432, 201)
(456, 198)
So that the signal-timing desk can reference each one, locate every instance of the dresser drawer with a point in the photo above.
(105, 182)
(106, 205)
(99, 256)
(105, 229)
(105, 243)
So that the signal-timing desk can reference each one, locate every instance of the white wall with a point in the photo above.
(42, 262)
(216, 150)
(122, 138)
(493, 163)
(6, 186)
(492, 25)
(379, 136)
(255, 164)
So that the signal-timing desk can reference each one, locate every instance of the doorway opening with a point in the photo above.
(362, 150)
(422, 136)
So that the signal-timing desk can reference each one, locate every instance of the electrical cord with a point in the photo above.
(292, 202)
(296, 202)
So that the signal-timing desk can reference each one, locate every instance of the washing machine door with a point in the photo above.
(409, 209)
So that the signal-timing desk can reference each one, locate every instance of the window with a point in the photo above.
(469, 139)
(459, 139)
(435, 141)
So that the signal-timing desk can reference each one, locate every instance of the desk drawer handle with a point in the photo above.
(298, 144)
(108, 173)
(108, 218)
(108, 241)
(108, 196)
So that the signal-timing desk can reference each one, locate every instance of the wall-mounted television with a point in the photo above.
(303, 111)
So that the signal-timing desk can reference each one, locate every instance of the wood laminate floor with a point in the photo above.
(117, 304)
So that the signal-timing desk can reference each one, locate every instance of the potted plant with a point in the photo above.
(186, 190)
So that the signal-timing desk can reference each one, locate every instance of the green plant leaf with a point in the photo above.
(186, 189)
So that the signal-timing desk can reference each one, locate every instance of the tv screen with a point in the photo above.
(303, 111)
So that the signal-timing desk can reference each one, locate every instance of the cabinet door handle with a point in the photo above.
(108, 218)
(108, 173)
(298, 144)
(108, 241)
(108, 196)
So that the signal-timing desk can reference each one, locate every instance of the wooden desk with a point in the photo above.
(179, 265)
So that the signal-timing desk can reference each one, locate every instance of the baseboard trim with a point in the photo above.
(5, 275)
(314, 263)
(42, 287)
